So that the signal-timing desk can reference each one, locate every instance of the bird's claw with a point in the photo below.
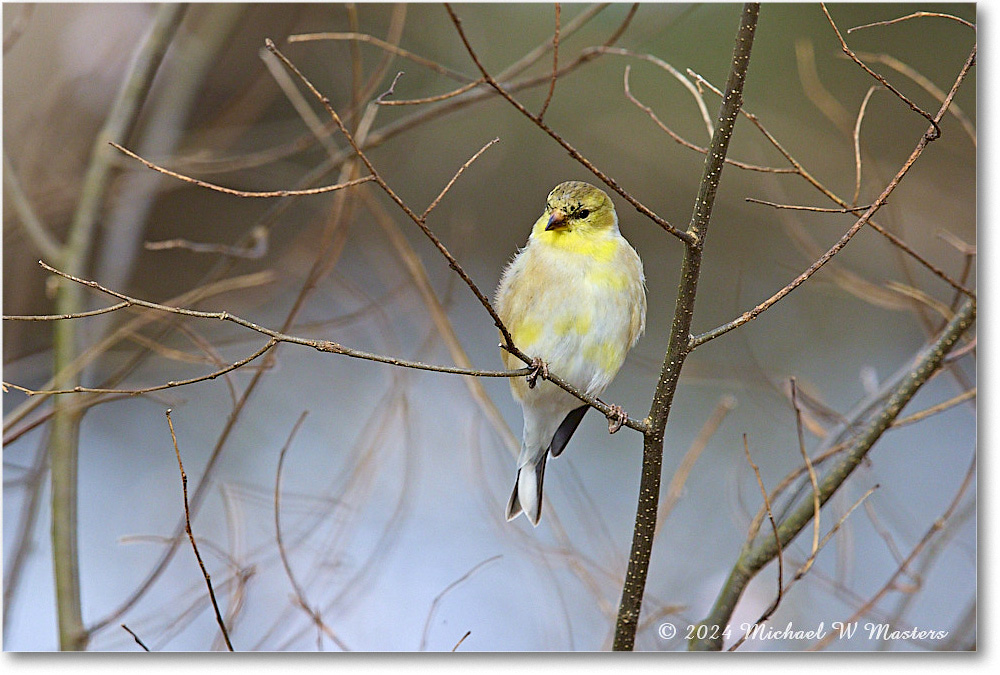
(616, 418)
(538, 367)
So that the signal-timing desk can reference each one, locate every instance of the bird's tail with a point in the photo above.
(527, 494)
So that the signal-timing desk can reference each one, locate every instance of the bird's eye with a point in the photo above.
(582, 213)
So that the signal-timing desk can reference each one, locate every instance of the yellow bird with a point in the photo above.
(574, 299)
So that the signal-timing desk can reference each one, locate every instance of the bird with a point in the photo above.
(574, 300)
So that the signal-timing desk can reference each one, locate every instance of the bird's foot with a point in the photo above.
(616, 418)
(538, 367)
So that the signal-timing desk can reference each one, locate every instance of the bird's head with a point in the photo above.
(576, 207)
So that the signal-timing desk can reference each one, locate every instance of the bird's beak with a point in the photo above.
(557, 219)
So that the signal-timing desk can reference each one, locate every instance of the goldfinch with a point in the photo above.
(574, 299)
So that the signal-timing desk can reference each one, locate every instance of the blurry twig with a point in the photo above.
(448, 589)
(75, 255)
(254, 251)
(812, 479)
(382, 44)
(777, 540)
(39, 235)
(18, 26)
(938, 525)
(698, 98)
(299, 593)
(857, 142)
(555, 64)
(243, 193)
(194, 545)
(935, 409)
(725, 405)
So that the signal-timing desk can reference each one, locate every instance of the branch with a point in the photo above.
(65, 429)
(932, 135)
(574, 153)
(508, 341)
(194, 545)
(756, 556)
(242, 193)
(678, 347)
(752, 314)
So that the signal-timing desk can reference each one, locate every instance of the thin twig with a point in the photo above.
(935, 409)
(574, 153)
(809, 178)
(449, 588)
(555, 64)
(433, 204)
(434, 99)
(61, 317)
(812, 478)
(915, 15)
(781, 559)
(931, 135)
(194, 545)
(382, 44)
(276, 336)
(925, 83)
(684, 142)
(461, 640)
(243, 193)
(135, 637)
(935, 527)
(857, 142)
(390, 91)
(695, 92)
(252, 251)
(814, 209)
(752, 314)
(300, 595)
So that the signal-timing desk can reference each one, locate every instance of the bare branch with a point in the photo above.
(135, 637)
(932, 135)
(243, 193)
(915, 15)
(746, 317)
(382, 44)
(574, 153)
(815, 209)
(194, 545)
(433, 204)
(555, 64)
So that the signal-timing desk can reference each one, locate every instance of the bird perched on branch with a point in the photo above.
(574, 299)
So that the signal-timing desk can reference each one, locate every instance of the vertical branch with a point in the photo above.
(64, 441)
(680, 336)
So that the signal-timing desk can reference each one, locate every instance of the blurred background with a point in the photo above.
(393, 485)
